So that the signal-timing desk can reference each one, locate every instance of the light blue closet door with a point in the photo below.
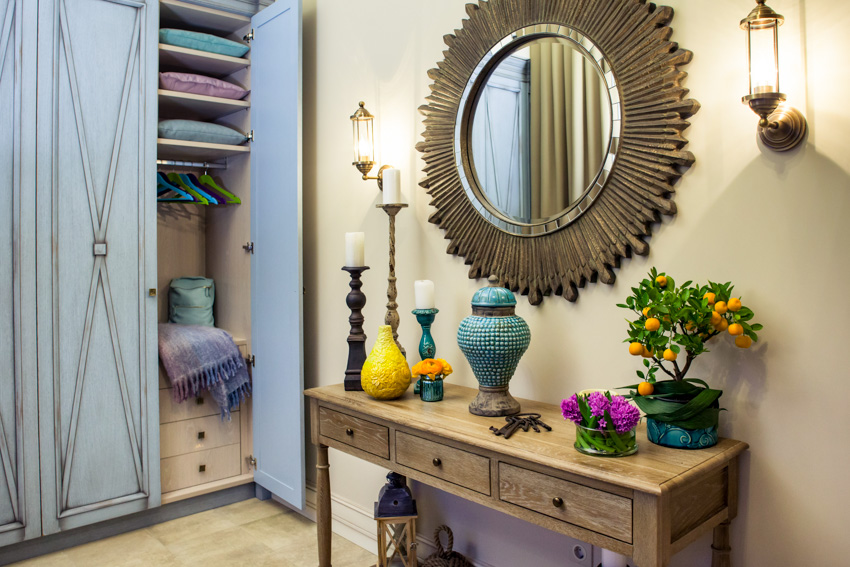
(276, 283)
(98, 403)
(19, 492)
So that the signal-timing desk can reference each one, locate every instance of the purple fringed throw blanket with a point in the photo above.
(198, 358)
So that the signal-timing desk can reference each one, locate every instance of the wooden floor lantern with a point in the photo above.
(395, 512)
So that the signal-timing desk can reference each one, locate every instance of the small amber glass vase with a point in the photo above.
(605, 442)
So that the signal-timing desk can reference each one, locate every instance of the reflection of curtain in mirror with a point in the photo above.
(569, 115)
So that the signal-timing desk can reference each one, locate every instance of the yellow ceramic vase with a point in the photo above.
(385, 374)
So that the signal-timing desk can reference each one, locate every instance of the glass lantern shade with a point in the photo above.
(364, 141)
(762, 27)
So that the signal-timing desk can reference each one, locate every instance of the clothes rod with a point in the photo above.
(200, 164)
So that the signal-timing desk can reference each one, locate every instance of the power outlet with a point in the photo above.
(580, 554)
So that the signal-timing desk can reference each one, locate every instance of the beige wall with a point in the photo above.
(774, 224)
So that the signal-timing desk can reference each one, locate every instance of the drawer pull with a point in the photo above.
(199, 401)
(201, 434)
(349, 431)
(557, 502)
(437, 462)
(202, 468)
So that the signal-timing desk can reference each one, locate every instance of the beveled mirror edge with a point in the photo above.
(634, 35)
(469, 100)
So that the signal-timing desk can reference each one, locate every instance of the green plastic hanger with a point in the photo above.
(175, 179)
(231, 198)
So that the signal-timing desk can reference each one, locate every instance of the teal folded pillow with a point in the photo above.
(194, 131)
(202, 42)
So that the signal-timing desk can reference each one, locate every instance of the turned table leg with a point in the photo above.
(720, 548)
(323, 507)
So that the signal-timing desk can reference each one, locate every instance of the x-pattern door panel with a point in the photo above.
(97, 202)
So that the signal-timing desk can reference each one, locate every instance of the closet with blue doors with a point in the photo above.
(86, 430)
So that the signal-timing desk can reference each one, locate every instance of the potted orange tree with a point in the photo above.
(672, 327)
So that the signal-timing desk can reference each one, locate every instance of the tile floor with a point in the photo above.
(251, 532)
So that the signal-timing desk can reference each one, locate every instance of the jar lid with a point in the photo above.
(493, 295)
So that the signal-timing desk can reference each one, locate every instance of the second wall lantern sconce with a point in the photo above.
(362, 124)
(780, 127)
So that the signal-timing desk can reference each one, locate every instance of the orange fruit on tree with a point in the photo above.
(722, 326)
(715, 318)
(645, 388)
(710, 296)
(661, 281)
(721, 307)
(647, 353)
(646, 311)
(743, 341)
(652, 324)
(669, 355)
(734, 304)
(690, 326)
(735, 329)
(635, 349)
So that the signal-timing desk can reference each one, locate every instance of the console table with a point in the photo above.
(647, 506)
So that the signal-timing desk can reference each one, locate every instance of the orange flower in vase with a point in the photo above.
(432, 371)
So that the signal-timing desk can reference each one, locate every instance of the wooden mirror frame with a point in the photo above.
(634, 36)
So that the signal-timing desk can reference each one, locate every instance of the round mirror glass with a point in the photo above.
(539, 122)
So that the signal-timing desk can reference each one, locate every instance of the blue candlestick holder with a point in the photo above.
(427, 347)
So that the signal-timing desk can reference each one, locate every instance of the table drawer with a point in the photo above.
(454, 465)
(198, 434)
(576, 504)
(197, 468)
(359, 433)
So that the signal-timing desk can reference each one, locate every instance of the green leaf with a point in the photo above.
(757, 327)
(675, 348)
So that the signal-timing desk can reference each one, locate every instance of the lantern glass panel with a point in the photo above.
(364, 146)
(763, 45)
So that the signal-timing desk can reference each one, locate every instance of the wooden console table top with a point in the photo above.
(674, 496)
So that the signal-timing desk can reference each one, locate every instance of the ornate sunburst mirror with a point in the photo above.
(553, 137)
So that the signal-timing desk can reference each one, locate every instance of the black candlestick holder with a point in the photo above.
(355, 300)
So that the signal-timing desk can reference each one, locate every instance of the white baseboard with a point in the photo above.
(357, 525)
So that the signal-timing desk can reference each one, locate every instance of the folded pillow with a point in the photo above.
(202, 42)
(194, 131)
(199, 84)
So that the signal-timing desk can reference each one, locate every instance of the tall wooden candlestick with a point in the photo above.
(391, 318)
(355, 300)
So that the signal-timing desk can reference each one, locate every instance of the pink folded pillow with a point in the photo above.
(199, 84)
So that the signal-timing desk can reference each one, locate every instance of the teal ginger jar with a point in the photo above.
(493, 339)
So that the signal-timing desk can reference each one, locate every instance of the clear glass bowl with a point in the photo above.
(605, 443)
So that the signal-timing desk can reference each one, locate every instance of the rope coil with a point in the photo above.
(445, 557)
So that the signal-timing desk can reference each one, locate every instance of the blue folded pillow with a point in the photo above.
(202, 42)
(195, 131)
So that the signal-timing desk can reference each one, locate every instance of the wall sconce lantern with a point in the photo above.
(780, 127)
(362, 124)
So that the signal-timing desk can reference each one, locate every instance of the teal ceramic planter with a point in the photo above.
(493, 339)
(667, 435)
(431, 390)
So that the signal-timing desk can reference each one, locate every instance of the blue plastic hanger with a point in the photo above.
(163, 187)
(181, 180)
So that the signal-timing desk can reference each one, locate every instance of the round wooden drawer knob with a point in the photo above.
(349, 432)
(437, 462)
(557, 502)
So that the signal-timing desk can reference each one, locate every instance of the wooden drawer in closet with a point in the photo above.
(190, 435)
(170, 411)
(196, 468)
(364, 435)
(454, 465)
(569, 502)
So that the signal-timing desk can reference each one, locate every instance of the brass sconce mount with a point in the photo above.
(781, 127)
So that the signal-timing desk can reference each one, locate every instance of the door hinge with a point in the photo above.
(250, 136)
(249, 37)
(251, 361)
(249, 247)
(252, 461)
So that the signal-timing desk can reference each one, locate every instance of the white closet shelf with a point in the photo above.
(182, 15)
(174, 104)
(196, 151)
(194, 61)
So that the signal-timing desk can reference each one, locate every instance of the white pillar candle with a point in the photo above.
(354, 249)
(611, 559)
(423, 291)
(392, 186)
